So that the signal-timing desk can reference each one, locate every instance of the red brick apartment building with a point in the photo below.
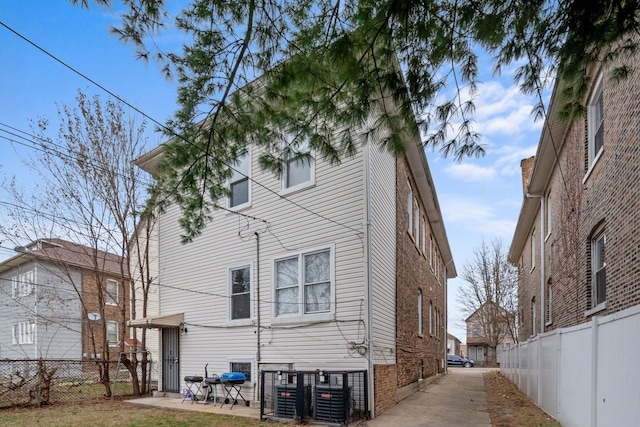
(577, 243)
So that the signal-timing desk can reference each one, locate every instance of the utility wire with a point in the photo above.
(172, 132)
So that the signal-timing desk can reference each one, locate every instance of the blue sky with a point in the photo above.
(479, 198)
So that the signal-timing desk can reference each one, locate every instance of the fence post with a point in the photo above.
(594, 371)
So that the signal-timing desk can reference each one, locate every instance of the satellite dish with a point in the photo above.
(93, 316)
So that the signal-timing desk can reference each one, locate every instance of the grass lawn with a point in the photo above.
(104, 412)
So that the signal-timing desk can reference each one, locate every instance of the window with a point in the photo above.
(22, 284)
(239, 181)
(298, 164)
(409, 208)
(244, 367)
(533, 249)
(240, 280)
(420, 312)
(24, 332)
(424, 236)
(595, 119)
(534, 314)
(112, 292)
(112, 333)
(598, 270)
(549, 301)
(304, 283)
(548, 215)
(431, 251)
(430, 318)
(416, 223)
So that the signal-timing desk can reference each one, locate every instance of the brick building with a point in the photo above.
(52, 307)
(576, 242)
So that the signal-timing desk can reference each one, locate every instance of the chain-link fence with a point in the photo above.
(41, 382)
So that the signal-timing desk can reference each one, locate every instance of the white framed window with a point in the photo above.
(430, 318)
(534, 316)
(409, 208)
(304, 284)
(112, 333)
(419, 312)
(112, 292)
(598, 269)
(549, 301)
(533, 249)
(244, 366)
(423, 240)
(595, 121)
(548, 214)
(239, 183)
(416, 223)
(240, 293)
(299, 166)
(431, 260)
(23, 332)
(23, 284)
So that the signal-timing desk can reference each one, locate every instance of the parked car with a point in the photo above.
(453, 360)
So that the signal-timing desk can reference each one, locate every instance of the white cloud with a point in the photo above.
(478, 217)
(471, 172)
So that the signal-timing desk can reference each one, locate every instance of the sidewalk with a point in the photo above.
(456, 399)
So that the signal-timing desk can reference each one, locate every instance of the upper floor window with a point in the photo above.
(112, 292)
(548, 213)
(409, 208)
(112, 333)
(240, 283)
(239, 181)
(304, 283)
(549, 301)
(23, 332)
(533, 249)
(598, 269)
(298, 164)
(423, 238)
(595, 121)
(23, 284)
(430, 318)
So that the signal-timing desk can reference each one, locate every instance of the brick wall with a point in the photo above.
(417, 355)
(385, 377)
(585, 200)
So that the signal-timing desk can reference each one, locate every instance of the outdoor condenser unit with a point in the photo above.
(286, 398)
(330, 403)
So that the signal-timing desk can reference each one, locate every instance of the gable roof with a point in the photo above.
(68, 253)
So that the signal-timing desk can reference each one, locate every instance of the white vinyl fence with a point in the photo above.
(585, 375)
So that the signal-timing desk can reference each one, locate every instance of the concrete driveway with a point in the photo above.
(456, 399)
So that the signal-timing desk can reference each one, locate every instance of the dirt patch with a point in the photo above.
(509, 407)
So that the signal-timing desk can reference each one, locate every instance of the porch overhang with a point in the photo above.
(160, 321)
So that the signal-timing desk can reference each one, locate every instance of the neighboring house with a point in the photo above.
(453, 345)
(488, 332)
(327, 268)
(144, 268)
(50, 306)
(576, 241)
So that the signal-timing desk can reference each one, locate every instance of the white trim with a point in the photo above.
(301, 317)
(249, 320)
(248, 176)
(231, 360)
(284, 189)
(595, 309)
(109, 297)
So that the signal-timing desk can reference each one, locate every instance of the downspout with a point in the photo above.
(368, 295)
(257, 313)
(542, 281)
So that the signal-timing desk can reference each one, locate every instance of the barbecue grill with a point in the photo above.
(210, 384)
(232, 383)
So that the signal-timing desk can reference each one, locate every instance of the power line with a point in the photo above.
(172, 132)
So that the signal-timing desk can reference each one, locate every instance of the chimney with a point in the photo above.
(527, 167)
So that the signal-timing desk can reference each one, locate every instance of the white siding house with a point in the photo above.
(299, 278)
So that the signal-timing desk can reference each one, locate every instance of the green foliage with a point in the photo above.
(327, 64)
